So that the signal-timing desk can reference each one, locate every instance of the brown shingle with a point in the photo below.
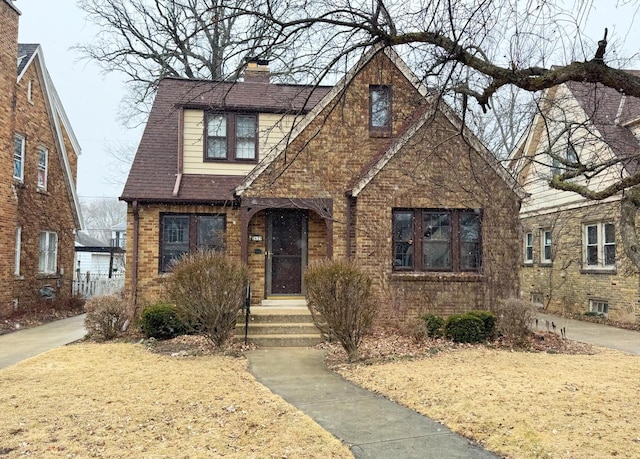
(153, 173)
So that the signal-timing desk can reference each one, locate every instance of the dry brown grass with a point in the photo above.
(521, 405)
(119, 400)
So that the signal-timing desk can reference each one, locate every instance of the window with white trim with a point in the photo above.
(599, 307)
(43, 165)
(599, 245)
(545, 248)
(48, 252)
(380, 107)
(528, 247)
(18, 157)
(16, 269)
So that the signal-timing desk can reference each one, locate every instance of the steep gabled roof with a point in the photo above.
(611, 113)
(32, 53)
(13, 6)
(154, 169)
(369, 173)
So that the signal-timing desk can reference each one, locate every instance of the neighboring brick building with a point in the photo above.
(39, 206)
(574, 261)
(375, 168)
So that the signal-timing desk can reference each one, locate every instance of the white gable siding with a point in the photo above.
(271, 129)
(552, 135)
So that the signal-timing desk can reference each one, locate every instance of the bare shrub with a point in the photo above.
(208, 290)
(340, 300)
(515, 317)
(106, 317)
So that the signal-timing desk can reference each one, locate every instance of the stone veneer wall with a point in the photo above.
(564, 286)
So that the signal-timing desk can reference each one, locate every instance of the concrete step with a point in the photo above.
(261, 314)
(302, 340)
(278, 328)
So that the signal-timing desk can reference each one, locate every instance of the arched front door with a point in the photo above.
(286, 251)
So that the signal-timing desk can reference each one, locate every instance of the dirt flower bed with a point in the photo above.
(120, 400)
(560, 399)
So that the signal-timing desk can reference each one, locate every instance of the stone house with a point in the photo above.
(38, 204)
(573, 260)
(376, 168)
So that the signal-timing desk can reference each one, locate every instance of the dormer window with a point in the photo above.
(231, 137)
(380, 107)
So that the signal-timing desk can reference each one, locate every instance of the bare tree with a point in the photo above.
(147, 40)
(101, 214)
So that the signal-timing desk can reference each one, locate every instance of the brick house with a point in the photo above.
(572, 255)
(375, 168)
(39, 206)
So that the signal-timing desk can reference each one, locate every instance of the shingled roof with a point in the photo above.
(612, 113)
(153, 172)
(26, 52)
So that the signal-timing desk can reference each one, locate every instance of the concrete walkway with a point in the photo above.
(597, 334)
(371, 425)
(23, 344)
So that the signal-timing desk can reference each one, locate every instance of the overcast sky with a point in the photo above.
(91, 99)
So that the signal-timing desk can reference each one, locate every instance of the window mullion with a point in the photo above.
(231, 136)
(454, 240)
(193, 233)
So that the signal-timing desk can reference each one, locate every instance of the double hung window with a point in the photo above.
(600, 245)
(545, 249)
(436, 240)
(18, 157)
(528, 247)
(186, 233)
(231, 136)
(43, 165)
(48, 252)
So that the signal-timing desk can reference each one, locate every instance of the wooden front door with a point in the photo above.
(286, 251)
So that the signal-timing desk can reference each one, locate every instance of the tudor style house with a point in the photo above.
(573, 259)
(39, 209)
(376, 169)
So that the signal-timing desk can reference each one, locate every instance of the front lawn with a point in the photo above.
(121, 401)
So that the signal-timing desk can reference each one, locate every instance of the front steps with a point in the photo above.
(279, 323)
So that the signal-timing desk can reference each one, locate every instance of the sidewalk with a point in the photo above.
(371, 425)
(596, 334)
(23, 344)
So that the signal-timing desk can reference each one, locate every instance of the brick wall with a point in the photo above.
(564, 285)
(149, 288)
(39, 210)
(436, 169)
(8, 76)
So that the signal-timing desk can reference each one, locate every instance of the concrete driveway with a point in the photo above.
(23, 344)
(596, 334)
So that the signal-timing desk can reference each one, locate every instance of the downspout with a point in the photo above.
(176, 187)
(134, 275)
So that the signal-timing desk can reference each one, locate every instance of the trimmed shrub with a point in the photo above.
(434, 325)
(489, 321)
(106, 317)
(340, 300)
(464, 328)
(515, 318)
(161, 321)
(208, 289)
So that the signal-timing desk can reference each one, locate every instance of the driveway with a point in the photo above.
(23, 344)
(596, 334)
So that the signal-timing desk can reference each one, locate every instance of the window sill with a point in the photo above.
(18, 277)
(598, 270)
(230, 160)
(47, 276)
(42, 191)
(380, 133)
(437, 276)
(528, 264)
(545, 264)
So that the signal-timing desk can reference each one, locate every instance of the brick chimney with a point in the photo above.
(257, 71)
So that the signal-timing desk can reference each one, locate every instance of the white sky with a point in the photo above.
(91, 99)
